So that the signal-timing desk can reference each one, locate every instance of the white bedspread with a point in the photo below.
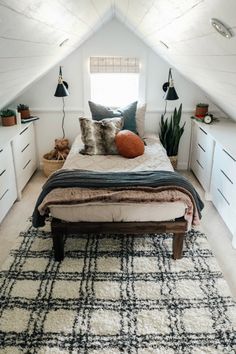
(154, 158)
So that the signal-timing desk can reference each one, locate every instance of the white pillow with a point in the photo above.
(140, 119)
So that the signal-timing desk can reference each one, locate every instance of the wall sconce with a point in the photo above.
(170, 92)
(62, 91)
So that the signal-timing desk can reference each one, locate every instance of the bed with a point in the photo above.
(137, 211)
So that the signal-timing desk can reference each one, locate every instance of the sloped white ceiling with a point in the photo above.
(31, 31)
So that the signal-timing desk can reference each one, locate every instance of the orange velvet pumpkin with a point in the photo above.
(129, 144)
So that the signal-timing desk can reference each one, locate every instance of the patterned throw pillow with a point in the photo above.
(100, 112)
(99, 136)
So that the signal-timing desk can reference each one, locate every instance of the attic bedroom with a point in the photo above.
(117, 176)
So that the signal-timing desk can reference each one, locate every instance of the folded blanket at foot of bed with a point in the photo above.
(80, 186)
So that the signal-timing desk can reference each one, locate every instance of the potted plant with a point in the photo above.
(24, 111)
(201, 110)
(8, 117)
(170, 134)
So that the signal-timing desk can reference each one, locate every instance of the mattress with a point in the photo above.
(154, 158)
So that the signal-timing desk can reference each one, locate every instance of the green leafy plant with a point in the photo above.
(22, 107)
(171, 132)
(7, 113)
(202, 105)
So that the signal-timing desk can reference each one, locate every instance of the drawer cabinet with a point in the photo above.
(24, 156)
(213, 161)
(223, 186)
(202, 156)
(17, 163)
(8, 193)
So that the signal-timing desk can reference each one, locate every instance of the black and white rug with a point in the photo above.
(116, 294)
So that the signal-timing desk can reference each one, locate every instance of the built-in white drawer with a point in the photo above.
(200, 172)
(24, 137)
(8, 192)
(24, 156)
(5, 154)
(202, 138)
(224, 208)
(26, 173)
(7, 198)
(226, 187)
(226, 162)
(202, 156)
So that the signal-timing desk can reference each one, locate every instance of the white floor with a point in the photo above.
(212, 225)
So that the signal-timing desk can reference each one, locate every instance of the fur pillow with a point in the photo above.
(129, 144)
(99, 136)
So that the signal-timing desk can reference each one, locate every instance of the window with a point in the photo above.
(114, 80)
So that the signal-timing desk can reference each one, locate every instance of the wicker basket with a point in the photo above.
(50, 166)
(174, 161)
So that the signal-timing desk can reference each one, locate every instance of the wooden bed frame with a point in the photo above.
(61, 228)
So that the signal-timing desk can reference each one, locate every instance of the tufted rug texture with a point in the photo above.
(114, 294)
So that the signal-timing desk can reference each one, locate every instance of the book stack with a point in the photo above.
(29, 119)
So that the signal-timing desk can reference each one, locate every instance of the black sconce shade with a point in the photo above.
(168, 87)
(62, 86)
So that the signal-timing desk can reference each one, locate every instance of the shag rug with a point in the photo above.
(116, 294)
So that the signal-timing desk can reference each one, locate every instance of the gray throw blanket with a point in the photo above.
(92, 179)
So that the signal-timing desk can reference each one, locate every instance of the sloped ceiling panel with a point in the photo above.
(31, 32)
(195, 48)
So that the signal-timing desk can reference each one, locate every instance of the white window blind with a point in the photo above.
(114, 65)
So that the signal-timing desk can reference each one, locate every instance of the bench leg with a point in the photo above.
(178, 240)
(58, 240)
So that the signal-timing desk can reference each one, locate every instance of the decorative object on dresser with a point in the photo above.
(8, 117)
(213, 161)
(24, 111)
(201, 110)
(170, 134)
(55, 159)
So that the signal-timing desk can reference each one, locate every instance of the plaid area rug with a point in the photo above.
(116, 294)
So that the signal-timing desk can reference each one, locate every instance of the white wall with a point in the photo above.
(112, 39)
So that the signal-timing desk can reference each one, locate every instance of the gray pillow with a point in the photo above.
(99, 136)
(128, 113)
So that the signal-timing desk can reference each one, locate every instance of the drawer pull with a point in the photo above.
(223, 196)
(203, 131)
(24, 130)
(201, 148)
(226, 176)
(1, 150)
(25, 148)
(229, 155)
(26, 164)
(4, 194)
(200, 164)
(2, 172)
